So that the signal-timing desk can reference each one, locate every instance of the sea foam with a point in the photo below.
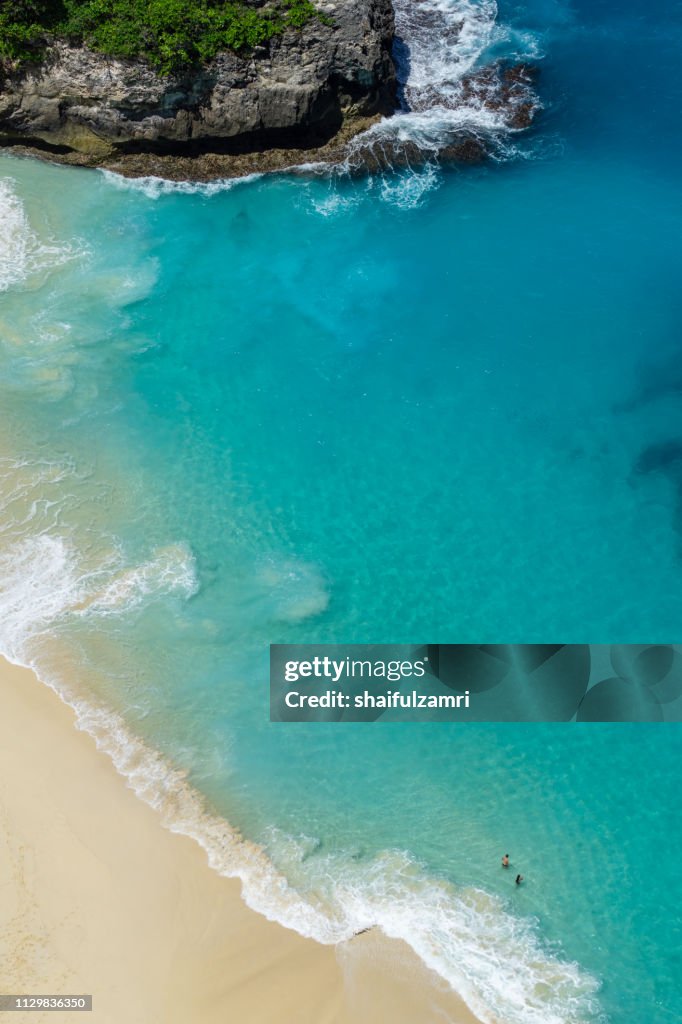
(23, 254)
(438, 44)
(154, 187)
(47, 578)
(493, 958)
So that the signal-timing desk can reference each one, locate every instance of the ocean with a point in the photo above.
(435, 405)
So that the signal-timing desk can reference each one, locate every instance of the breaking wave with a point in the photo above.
(494, 959)
(46, 581)
(455, 88)
(23, 254)
(154, 187)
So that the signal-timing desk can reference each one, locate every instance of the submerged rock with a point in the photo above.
(504, 90)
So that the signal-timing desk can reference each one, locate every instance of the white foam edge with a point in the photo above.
(154, 187)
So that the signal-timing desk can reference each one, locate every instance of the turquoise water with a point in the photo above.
(419, 408)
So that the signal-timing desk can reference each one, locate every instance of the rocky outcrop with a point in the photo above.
(299, 92)
(310, 97)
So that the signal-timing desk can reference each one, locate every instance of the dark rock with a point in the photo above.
(297, 92)
(666, 456)
(465, 150)
(506, 90)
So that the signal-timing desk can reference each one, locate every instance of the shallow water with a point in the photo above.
(439, 405)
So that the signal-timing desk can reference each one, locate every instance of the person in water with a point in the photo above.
(505, 861)
(519, 879)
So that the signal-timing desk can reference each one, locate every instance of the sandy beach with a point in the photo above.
(97, 897)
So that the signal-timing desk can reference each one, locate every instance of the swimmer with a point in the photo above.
(519, 879)
(505, 861)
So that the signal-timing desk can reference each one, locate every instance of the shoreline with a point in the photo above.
(357, 149)
(100, 898)
(203, 167)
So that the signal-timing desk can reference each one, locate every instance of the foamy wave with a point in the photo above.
(43, 583)
(22, 253)
(334, 204)
(171, 571)
(429, 132)
(494, 959)
(408, 190)
(438, 41)
(154, 187)
(37, 583)
(182, 810)
(442, 49)
(45, 579)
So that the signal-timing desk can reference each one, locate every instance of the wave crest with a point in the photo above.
(154, 187)
(465, 89)
(45, 579)
(494, 959)
(23, 254)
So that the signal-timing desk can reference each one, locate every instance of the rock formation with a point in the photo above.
(299, 91)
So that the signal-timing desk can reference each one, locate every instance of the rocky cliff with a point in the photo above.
(300, 92)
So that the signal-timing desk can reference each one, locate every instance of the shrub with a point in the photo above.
(169, 34)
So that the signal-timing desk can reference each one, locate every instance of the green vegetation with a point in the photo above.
(169, 34)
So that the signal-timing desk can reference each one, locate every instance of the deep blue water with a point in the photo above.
(437, 406)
